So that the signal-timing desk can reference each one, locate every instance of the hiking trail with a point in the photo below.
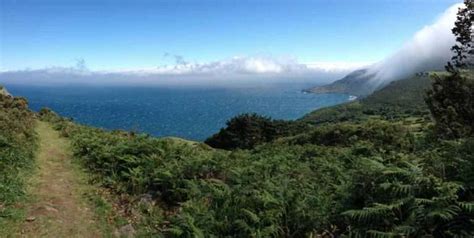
(58, 207)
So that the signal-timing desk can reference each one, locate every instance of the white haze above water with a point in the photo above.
(429, 49)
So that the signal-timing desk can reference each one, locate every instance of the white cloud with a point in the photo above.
(235, 70)
(252, 65)
(338, 65)
(429, 49)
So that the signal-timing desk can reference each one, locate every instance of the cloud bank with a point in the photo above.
(429, 49)
(232, 71)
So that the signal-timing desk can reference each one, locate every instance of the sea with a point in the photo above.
(192, 112)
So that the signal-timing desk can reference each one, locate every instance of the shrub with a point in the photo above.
(249, 130)
(17, 146)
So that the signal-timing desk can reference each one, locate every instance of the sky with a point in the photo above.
(142, 34)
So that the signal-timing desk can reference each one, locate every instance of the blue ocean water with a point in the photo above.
(188, 112)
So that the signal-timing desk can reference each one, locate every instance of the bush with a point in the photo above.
(249, 130)
(17, 147)
(382, 134)
(451, 102)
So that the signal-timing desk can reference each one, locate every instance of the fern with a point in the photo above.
(250, 215)
(368, 214)
(446, 213)
(467, 206)
(381, 234)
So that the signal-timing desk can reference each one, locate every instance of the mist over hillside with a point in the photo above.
(428, 50)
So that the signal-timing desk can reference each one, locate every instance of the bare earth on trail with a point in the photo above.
(58, 208)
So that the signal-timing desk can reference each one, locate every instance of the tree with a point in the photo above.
(464, 48)
(451, 98)
(248, 130)
(451, 102)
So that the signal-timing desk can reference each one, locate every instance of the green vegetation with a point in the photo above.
(464, 47)
(398, 100)
(17, 146)
(380, 177)
(355, 83)
(56, 204)
(451, 102)
(376, 167)
(248, 130)
(401, 100)
(451, 99)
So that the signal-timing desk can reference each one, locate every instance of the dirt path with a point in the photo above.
(58, 207)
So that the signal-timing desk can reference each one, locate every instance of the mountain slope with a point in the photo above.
(405, 93)
(355, 83)
(17, 148)
(398, 99)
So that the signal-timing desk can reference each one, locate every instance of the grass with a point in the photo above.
(12, 217)
(58, 193)
(400, 99)
(17, 147)
(105, 217)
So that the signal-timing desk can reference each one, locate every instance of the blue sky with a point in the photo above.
(137, 34)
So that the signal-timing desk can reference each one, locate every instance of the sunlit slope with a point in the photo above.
(355, 83)
(399, 98)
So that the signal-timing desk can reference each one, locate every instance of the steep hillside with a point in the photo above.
(402, 98)
(17, 147)
(355, 83)
(402, 93)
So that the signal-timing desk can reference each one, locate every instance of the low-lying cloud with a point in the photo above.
(232, 66)
(232, 71)
(429, 49)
